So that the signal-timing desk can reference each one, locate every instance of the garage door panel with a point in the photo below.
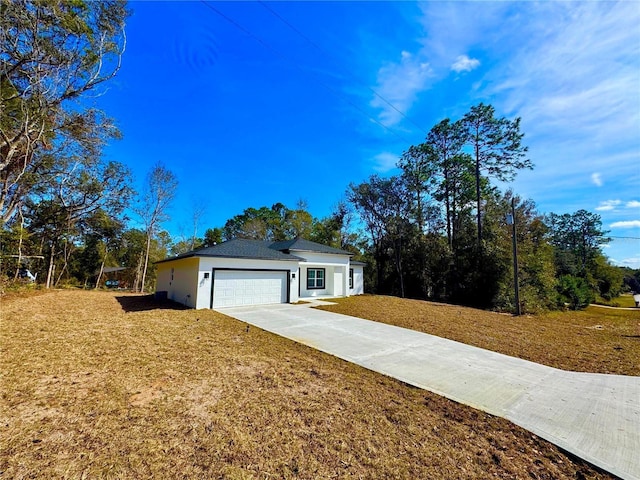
(249, 287)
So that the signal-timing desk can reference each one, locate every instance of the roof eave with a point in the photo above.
(178, 257)
(292, 258)
(319, 251)
(248, 257)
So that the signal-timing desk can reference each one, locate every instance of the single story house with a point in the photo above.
(254, 272)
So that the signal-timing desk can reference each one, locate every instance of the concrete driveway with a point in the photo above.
(595, 417)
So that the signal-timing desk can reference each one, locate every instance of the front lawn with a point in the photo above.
(105, 385)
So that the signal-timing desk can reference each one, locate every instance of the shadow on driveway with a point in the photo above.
(142, 303)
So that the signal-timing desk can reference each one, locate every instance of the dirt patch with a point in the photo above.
(201, 398)
(148, 394)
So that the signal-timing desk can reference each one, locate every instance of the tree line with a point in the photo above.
(437, 230)
(62, 205)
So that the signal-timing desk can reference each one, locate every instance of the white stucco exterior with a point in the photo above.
(358, 280)
(336, 268)
(191, 281)
(207, 265)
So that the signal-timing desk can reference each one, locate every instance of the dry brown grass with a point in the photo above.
(96, 386)
(597, 340)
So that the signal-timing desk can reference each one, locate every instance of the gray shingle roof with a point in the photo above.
(239, 248)
(261, 250)
(302, 245)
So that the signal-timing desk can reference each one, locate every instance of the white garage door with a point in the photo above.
(248, 287)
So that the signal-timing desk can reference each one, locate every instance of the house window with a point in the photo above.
(351, 278)
(315, 278)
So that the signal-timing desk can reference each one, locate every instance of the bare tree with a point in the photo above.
(160, 189)
(199, 209)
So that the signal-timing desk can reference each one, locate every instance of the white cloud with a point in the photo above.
(632, 262)
(454, 27)
(596, 178)
(400, 83)
(608, 205)
(385, 162)
(633, 204)
(465, 64)
(626, 224)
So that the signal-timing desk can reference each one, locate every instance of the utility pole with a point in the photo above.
(511, 220)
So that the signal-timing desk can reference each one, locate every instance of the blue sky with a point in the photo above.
(252, 103)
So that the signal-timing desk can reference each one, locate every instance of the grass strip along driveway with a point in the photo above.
(597, 340)
(103, 385)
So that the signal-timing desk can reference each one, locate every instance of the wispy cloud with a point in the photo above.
(385, 162)
(608, 205)
(465, 64)
(580, 81)
(626, 224)
(596, 179)
(567, 69)
(399, 83)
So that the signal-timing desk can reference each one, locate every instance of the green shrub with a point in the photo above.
(575, 292)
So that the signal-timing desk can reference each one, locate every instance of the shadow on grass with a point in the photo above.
(141, 303)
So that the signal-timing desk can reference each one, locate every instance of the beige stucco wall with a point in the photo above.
(178, 279)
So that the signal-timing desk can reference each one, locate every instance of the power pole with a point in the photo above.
(511, 220)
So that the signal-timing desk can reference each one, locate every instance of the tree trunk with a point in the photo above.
(454, 218)
(51, 265)
(146, 262)
(64, 269)
(424, 274)
(379, 268)
(104, 258)
(398, 255)
(136, 282)
(478, 202)
(66, 255)
(19, 245)
(420, 214)
(447, 195)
